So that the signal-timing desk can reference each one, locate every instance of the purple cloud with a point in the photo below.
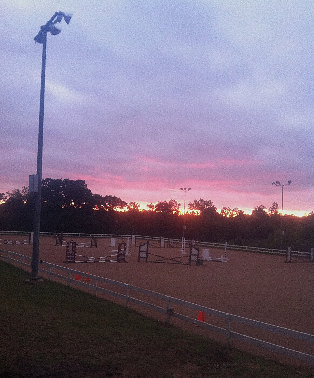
(144, 97)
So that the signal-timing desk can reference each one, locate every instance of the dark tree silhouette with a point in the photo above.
(69, 206)
(203, 206)
(273, 209)
(167, 207)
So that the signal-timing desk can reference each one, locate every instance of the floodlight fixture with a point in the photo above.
(39, 37)
(50, 26)
(278, 183)
(59, 17)
(54, 30)
(67, 18)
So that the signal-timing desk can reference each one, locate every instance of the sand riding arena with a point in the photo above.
(257, 286)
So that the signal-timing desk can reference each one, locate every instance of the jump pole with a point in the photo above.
(183, 245)
(31, 238)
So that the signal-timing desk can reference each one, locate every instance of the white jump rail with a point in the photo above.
(68, 275)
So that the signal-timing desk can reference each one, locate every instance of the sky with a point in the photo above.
(144, 97)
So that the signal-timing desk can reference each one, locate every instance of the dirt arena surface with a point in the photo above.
(253, 285)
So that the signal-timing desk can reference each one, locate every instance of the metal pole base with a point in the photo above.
(34, 280)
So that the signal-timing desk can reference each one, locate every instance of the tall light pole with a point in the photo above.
(278, 183)
(185, 190)
(41, 38)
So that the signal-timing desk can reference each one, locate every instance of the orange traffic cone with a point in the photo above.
(200, 316)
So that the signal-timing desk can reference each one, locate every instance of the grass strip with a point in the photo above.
(49, 329)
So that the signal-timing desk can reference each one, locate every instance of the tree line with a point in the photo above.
(69, 206)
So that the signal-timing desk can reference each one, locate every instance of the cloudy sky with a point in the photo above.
(146, 96)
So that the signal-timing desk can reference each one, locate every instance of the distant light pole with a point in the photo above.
(185, 190)
(278, 183)
(41, 37)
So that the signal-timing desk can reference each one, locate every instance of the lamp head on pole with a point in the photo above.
(185, 189)
(50, 26)
(278, 183)
(54, 30)
(39, 37)
(61, 15)
(67, 18)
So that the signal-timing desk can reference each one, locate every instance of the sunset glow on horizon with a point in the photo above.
(143, 206)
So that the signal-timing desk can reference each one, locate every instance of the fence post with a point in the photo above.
(225, 254)
(162, 242)
(133, 238)
(288, 259)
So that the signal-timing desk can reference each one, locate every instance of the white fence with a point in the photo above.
(165, 242)
(174, 308)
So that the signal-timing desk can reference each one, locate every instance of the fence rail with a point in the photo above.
(168, 305)
(169, 241)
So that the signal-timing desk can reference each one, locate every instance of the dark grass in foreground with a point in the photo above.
(51, 330)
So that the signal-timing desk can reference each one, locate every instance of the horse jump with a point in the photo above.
(117, 256)
(60, 241)
(291, 255)
(206, 255)
(14, 242)
(144, 254)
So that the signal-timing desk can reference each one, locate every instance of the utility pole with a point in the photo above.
(278, 183)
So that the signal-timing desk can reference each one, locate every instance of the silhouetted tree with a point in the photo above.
(167, 207)
(273, 209)
(207, 223)
(108, 202)
(16, 214)
(133, 207)
(259, 226)
(203, 206)
(69, 206)
(65, 193)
